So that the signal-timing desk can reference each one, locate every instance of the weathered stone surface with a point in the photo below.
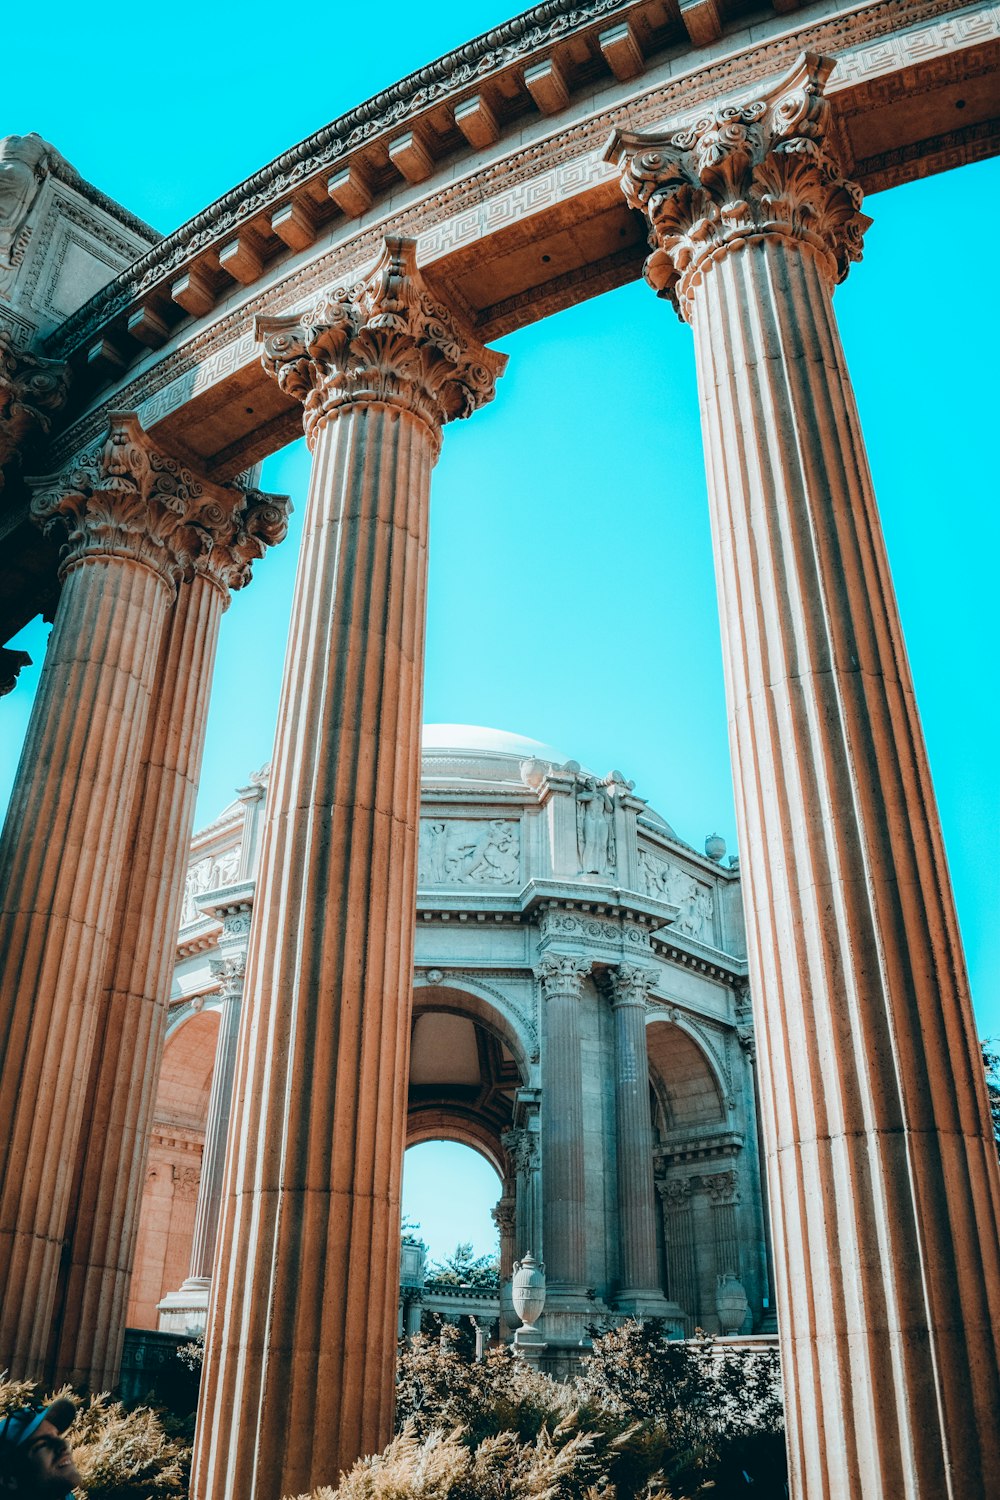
(885, 1195)
(305, 1281)
(130, 1025)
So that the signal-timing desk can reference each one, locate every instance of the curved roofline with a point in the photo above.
(413, 93)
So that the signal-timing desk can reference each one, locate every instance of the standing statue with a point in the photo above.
(23, 160)
(595, 829)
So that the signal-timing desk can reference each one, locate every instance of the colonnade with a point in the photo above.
(885, 1193)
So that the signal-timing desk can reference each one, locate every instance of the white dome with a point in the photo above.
(496, 741)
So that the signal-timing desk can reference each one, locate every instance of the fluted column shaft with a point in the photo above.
(563, 1182)
(302, 1322)
(885, 1194)
(678, 1235)
(636, 1188)
(61, 856)
(130, 1022)
(213, 1157)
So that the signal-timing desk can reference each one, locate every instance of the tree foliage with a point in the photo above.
(462, 1268)
(647, 1420)
(991, 1066)
(121, 1454)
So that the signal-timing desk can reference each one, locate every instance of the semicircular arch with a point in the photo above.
(685, 1076)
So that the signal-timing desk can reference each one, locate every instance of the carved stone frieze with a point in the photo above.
(384, 341)
(601, 931)
(457, 851)
(562, 974)
(762, 167)
(31, 391)
(129, 498)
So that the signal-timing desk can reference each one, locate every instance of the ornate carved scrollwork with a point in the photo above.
(31, 390)
(738, 173)
(384, 341)
(562, 974)
(631, 984)
(129, 498)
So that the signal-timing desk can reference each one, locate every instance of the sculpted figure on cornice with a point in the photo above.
(385, 340)
(208, 874)
(462, 852)
(595, 827)
(23, 161)
(761, 167)
(129, 498)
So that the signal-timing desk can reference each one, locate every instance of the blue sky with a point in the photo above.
(572, 596)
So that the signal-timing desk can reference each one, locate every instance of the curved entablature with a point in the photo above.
(492, 159)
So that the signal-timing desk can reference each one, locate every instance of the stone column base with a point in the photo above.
(529, 1344)
(186, 1310)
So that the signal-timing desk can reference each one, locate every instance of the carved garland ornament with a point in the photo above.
(130, 499)
(739, 173)
(384, 341)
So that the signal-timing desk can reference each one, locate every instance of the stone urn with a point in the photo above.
(528, 1289)
(715, 847)
(507, 1311)
(730, 1303)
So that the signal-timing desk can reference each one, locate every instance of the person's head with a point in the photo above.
(36, 1462)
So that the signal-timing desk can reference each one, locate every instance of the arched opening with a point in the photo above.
(173, 1171)
(684, 1084)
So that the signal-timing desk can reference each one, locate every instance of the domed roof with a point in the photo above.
(451, 737)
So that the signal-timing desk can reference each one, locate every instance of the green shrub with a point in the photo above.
(121, 1454)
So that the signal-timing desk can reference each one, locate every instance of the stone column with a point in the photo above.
(237, 527)
(678, 1236)
(134, 521)
(188, 1305)
(639, 1293)
(305, 1280)
(504, 1216)
(563, 1187)
(724, 1194)
(882, 1167)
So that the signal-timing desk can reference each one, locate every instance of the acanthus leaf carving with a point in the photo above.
(129, 498)
(31, 390)
(562, 974)
(739, 172)
(631, 984)
(383, 341)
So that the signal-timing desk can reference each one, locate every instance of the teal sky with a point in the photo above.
(572, 596)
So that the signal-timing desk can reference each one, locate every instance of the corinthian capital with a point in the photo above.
(739, 173)
(631, 984)
(31, 389)
(129, 498)
(384, 341)
(237, 535)
(562, 974)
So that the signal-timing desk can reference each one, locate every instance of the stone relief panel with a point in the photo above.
(459, 851)
(208, 874)
(667, 882)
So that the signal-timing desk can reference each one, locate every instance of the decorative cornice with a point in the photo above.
(759, 168)
(562, 974)
(31, 390)
(11, 663)
(129, 498)
(383, 341)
